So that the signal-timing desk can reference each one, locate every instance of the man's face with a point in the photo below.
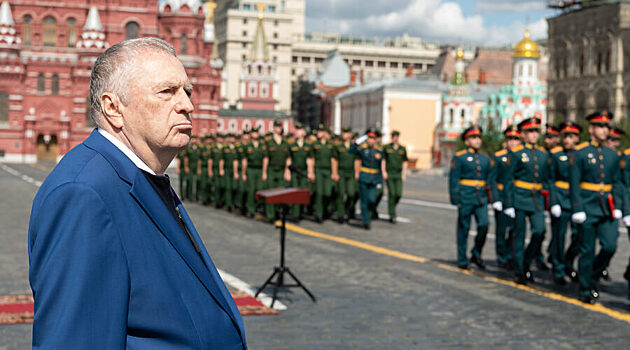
(220, 140)
(473, 141)
(569, 141)
(599, 132)
(159, 110)
(613, 143)
(229, 139)
(551, 141)
(371, 141)
(300, 133)
(324, 135)
(320, 134)
(346, 136)
(395, 139)
(245, 137)
(278, 130)
(531, 136)
(512, 142)
(254, 135)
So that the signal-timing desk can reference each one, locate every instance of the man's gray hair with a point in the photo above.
(114, 68)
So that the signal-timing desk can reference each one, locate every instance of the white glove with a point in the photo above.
(617, 214)
(578, 217)
(556, 210)
(510, 212)
(626, 220)
(361, 139)
(498, 206)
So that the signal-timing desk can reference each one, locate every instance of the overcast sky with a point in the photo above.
(489, 22)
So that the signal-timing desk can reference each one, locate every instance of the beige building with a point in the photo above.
(409, 105)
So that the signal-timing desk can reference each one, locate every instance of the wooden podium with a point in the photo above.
(283, 196)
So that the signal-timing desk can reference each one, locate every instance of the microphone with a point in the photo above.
(298, 172)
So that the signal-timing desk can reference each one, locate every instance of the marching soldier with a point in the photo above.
(323, 170)
(379, 188)
(299, 150)
(228, 170)
(626, 219)
(559, 201)
(396, 165)
(215, 161)
(277, 164)
(239, 200)
(369, 172)
(504, 225)
(347, 186)
(614, 138)
(471, 171)
(597, 195)
(254, 152)
(526, 178)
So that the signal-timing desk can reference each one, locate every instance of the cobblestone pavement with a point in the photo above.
(367, 299)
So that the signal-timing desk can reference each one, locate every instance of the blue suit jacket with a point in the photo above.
(110, 268)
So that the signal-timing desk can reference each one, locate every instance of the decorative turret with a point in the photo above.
(526, 48)
(194, 6)
(7, 26)
(93, 36)
(459, 78)
(526, 55)
(259, 51)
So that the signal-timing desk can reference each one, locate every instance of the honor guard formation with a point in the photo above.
(340, 171)
(585, 187)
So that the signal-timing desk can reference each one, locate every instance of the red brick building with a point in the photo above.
(47, 50)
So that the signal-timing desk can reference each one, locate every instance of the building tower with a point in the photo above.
(526, 56)
(259, 79)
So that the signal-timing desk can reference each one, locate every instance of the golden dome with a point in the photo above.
(526, 48)
(460, 53)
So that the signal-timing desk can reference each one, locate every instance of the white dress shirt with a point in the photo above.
(124, 149)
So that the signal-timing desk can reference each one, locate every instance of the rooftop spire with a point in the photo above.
(260, 51)
(6, 18)
(93, 22)
(93, 36)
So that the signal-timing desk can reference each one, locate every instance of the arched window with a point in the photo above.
(41, 84)
(4, 107)
(451, 116)
(27, 30)
(71, 32)
(184, 45)
(54, 86)
(49, 31)
(131, 30)
(247, 124)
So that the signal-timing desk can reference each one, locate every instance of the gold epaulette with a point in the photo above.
(627, 151)
(464, 151)
(517, 148)
(501, 152)
(541, 148)
(581, 145)
(556, 149)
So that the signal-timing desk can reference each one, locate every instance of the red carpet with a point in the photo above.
(16, 309)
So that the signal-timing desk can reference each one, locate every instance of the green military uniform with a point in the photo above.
(278, 154)
(299, 151)
(204, 183)
(526, 178)
(503, 224)
(596, 190)
(193, 155)
(347, 188)
(254, 155)
(370, 177)
(471, 172)
(323, 152)
(240, 183)
(230, 183)
(217, 179)
(182, 172)
(626, 180)
(395, 156)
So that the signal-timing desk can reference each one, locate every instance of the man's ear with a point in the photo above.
(111, 105)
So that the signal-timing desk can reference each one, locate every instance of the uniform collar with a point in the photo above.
(596, 144)
(472, 150)
(529, 145)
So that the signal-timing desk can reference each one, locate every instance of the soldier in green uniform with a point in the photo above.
(228, 170)
(192, 166)
(299, 150)
(347, 187)
(471, 171)
(277, 164)
(526, 177)
(626, 220)
(504, 225)
(379, 188)
(254, 153)
(217, 180)
(369, 174)
(241, 193)
(614, 138)
(204, 176)
(323, 170)
(181, 156)
(396, 165)
(559, 196)
(597, 194)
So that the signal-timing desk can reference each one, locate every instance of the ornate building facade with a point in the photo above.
(589, 46)
(47, 50)
(526, 97)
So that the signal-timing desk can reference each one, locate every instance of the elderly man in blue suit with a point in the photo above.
(115, 261)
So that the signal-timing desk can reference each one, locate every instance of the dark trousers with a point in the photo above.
(522, 257)
(504, 234)
(591, 266)
(558, 234)
(463, 227)
(367, 192)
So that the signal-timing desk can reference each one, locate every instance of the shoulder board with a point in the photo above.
(541, 149)
(461, 152)
(500, 153)
(556, 149)
(517, 148)
(619, 153)
(581, 145)
(627, 151)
